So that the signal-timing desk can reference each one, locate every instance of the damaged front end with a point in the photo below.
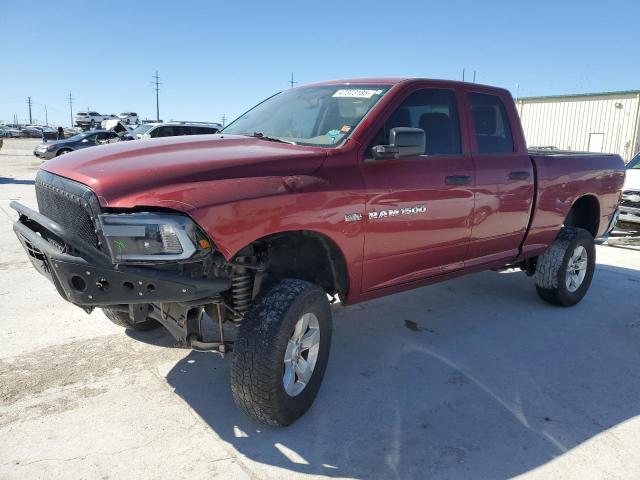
(156, 265)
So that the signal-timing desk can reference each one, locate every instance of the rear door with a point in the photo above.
(504, 186)
(418, 208)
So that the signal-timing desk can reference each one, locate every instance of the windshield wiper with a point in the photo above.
(262, 136)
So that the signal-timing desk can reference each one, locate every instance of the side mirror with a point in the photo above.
(403, 142)
(84, 140)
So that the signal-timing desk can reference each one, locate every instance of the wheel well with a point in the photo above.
(307, 256)
(585, 213)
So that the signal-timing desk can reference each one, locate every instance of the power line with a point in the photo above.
(156, 86)
(291, 82)
(29, 103)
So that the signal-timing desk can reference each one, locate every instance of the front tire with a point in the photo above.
(281, 353)
(565, 270)
(122, 319)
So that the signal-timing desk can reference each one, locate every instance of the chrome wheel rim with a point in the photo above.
(576, 268)
(301, 355)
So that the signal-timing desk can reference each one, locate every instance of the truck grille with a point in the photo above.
(69, 204)
(631, 198)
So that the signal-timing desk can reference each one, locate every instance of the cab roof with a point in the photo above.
(391, 81)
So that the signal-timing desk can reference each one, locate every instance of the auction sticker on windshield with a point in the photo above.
(356, 93)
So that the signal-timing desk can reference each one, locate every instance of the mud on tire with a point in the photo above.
(257, 369)
(551, 268)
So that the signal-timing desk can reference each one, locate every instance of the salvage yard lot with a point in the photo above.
(473, 378)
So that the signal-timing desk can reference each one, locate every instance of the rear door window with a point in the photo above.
(493, 131)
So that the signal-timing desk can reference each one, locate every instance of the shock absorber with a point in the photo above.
(241, 292)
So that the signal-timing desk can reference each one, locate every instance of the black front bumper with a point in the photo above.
(89, 279)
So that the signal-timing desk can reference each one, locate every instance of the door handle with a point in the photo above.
(457, 180)
(519, 175)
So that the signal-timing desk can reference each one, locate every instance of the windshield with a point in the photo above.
(322, 116)
(142, 129)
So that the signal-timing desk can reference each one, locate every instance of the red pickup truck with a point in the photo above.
(344, 190)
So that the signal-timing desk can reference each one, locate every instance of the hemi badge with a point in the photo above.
(352, 217)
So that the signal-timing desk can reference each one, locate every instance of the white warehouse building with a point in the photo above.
(595, 122)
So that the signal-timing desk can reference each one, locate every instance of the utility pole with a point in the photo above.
(156, 86)
(224, 119)
(463, 74)
(70, 108)
(46, 116)
(474, 76)
(291, 82)
(29, 103)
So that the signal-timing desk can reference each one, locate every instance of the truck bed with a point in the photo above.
(562, 178)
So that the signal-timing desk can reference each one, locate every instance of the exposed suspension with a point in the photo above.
(241, 291)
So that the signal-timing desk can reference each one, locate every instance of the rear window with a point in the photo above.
(493, 131)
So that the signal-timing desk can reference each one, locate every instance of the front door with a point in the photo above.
(418, 208)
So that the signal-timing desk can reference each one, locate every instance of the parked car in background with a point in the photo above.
(629, 218)
(176, 129)
(129, 118)
(9, 132)
(90, 119)
(37, 131)
(82, 140)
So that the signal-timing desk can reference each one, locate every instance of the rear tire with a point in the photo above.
(270, 351)
(122, 319)
(565, 270)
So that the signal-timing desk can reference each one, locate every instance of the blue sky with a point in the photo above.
(220, 58)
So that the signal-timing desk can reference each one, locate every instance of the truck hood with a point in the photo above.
(122, 172)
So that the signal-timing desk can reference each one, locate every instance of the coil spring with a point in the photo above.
(241, 293)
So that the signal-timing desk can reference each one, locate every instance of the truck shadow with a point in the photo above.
(471, 378)
(14, 181)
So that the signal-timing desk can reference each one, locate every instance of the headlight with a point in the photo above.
(141, 237)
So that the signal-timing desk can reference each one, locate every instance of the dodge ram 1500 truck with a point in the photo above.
(344, 190)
